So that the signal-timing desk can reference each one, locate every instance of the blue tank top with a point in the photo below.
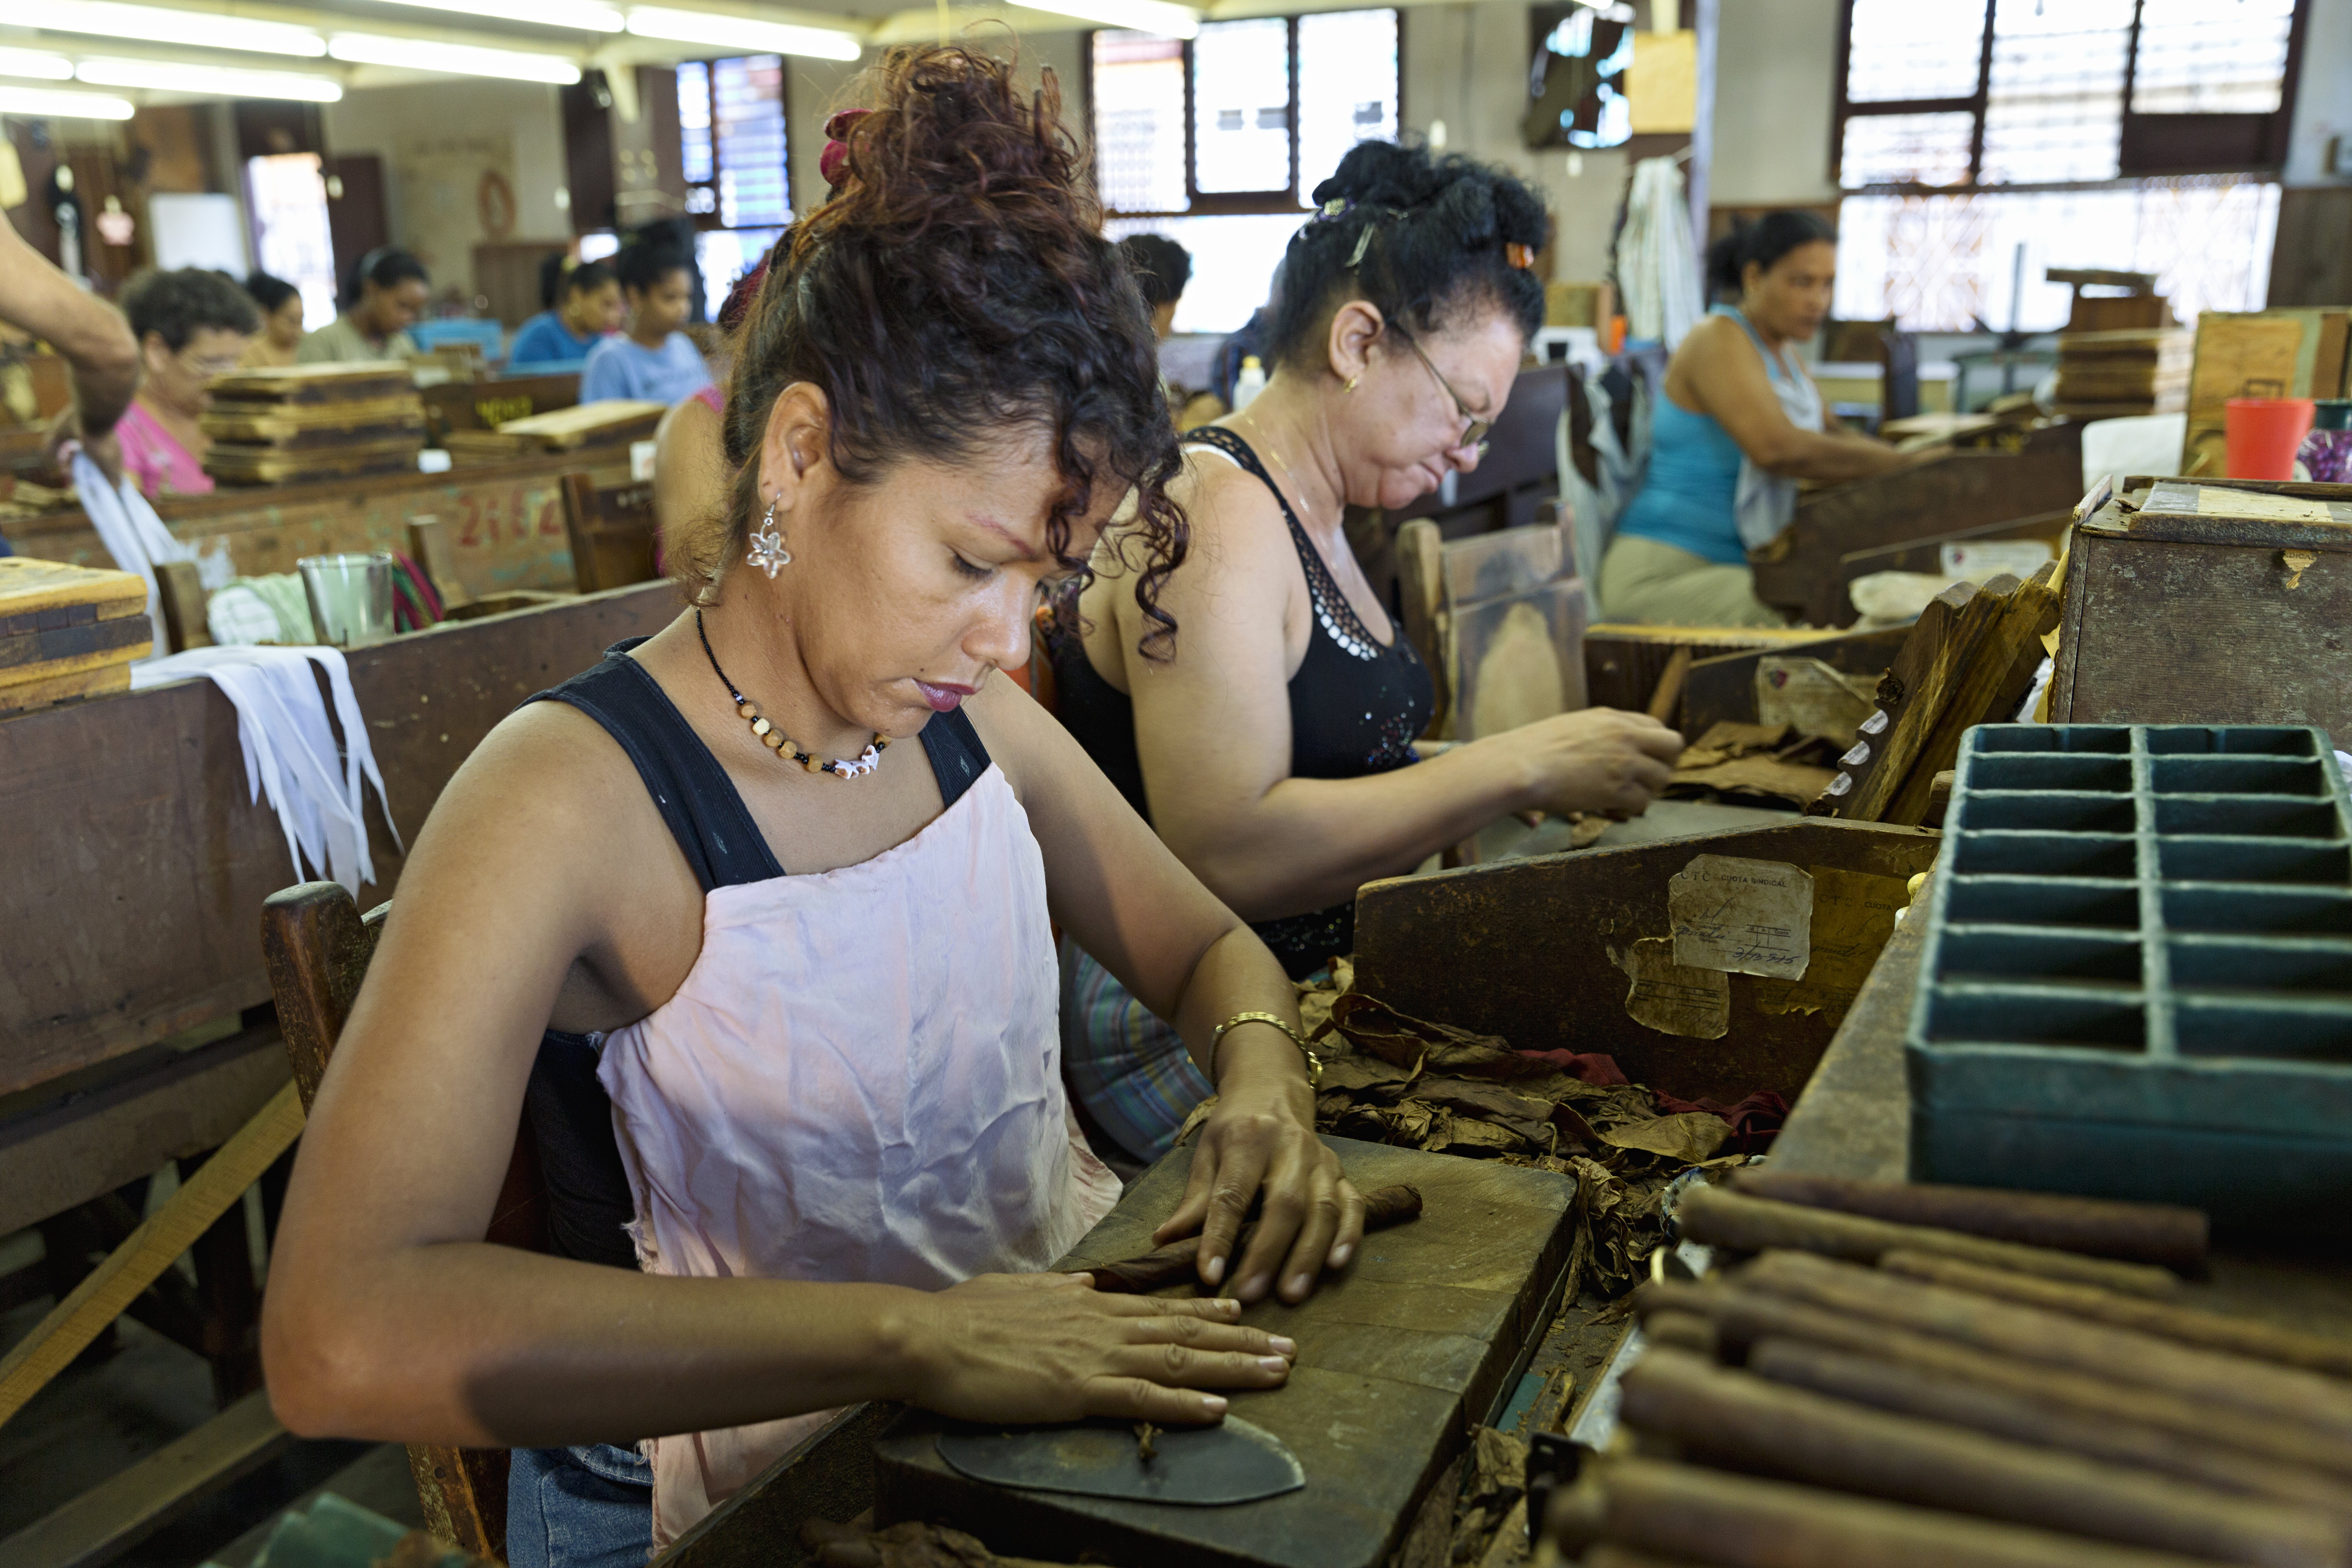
(1690, 492)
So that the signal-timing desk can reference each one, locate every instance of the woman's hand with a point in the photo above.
(1599, 759)
(1049, 1347)
(1260, 1138)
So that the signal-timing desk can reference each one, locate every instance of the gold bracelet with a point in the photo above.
(1314, 1062)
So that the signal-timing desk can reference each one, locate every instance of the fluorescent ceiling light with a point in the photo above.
(154, 25)
(452, 59)
(45, 103)
(586, 15)
(1142, 15)
(721, 30)
(162, 75)
(36, 64)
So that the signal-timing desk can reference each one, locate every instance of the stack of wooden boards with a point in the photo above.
(1948, 1375)
(67, 631)
(2111, 374)
(290, 423)
(1969, 659)
(585, 427)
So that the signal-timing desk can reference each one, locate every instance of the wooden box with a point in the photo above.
(2258, 353)
(1960, 495)
(67, 631)
(2210, 602)
(1538, 950)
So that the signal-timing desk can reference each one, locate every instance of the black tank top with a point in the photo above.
(1355, 708)
(570, 1117)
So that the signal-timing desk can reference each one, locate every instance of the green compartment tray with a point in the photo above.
(2137, 978)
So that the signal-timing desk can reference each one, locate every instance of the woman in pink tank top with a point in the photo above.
(809, 961)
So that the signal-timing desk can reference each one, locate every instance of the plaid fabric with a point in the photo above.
(1127, 1068)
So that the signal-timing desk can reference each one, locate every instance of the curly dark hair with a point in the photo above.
(1441, 229)
(956, 284)
(175, 306)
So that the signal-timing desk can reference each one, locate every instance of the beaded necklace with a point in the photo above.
(865, 761)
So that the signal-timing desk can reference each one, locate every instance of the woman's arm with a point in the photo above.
(1212, 734)
(1717, 372)
(389, 1318)
(1121, 896)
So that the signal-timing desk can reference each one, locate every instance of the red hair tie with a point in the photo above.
(833, 162)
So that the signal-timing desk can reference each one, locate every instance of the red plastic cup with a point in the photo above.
(2261, 435)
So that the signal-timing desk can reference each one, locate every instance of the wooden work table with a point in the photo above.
(1855, 1120)
(132, 890)
(505, 521)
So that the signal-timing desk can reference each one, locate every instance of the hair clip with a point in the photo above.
(1519, 256)
(1363, 242)
(1337, 206)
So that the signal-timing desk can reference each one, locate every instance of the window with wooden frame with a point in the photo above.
(1964, 94)
(1219, 141)
(735, 156)
(1980, 143)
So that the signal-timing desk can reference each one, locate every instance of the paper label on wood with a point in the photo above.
(1853, 914)
(1743, 917)
(1814, 696)
(2021, 558)
(1674, 998)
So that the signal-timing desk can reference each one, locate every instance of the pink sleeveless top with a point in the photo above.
(859, 1081)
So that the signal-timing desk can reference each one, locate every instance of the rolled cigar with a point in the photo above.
(2137, 1233)
(1752, 1425)
(2309, 1399)
(1685, 1331)
(1708, 1516)
(2189, 1325)
(1743, 1318)
(1911, 1391)
(1383, 1207)
(1730, 1219)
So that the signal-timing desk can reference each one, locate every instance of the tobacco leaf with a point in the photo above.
(1529, 1118)
(1356, 1074)
(1690, 1137)
(1377, 1029)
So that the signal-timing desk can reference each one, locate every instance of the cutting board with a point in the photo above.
(588, 424)
(1399, 1357)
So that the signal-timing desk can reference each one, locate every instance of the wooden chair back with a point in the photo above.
(614, 533)
(179, 592)
(1499, 619)
(318, 946)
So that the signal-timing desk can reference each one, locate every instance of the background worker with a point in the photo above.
(651, 358)
(385, 296)
(586, 308)
(194, 326)
(280, 337)
(1739, 425)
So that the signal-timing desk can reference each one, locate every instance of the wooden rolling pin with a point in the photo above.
(1744, 1318)
(1170, 1265)
(1911, 1391)
(1758, 1426)
(1723, 1219)
(2161, 1233)
(2189, 1325)
(1708, 1516)
(2308, 1399)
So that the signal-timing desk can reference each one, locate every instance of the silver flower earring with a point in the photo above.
(767, 551)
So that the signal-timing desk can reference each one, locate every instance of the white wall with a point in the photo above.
(2323, 103)
(1775, 75)
(435, 140)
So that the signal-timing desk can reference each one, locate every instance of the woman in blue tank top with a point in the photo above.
(1739, 425)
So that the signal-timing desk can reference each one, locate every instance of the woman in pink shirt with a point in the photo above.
(192, 326)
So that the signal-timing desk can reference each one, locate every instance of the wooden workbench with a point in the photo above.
(131, 893)
(1855, 1120)
(505, 521)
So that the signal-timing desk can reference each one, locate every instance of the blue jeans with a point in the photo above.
(589, 1507)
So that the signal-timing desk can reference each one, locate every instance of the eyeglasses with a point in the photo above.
(1476, 433)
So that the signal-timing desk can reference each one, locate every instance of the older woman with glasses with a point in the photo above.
(193, 326)
(1273, 749)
